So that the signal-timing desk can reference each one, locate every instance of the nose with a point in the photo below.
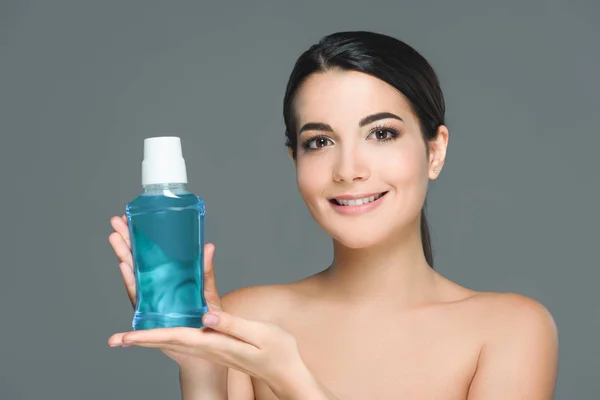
(350, 166)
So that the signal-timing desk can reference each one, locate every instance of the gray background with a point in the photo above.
(82, 83)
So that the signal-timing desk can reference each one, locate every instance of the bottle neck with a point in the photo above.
(161, 188)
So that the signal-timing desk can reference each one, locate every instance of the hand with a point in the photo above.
(260, 349)
(121, 244)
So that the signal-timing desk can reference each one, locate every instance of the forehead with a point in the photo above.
(350, 95)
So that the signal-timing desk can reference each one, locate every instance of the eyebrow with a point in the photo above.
(369, 119)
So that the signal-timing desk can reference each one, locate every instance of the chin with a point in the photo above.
(359, 233)
(355, 243)
(357, 239)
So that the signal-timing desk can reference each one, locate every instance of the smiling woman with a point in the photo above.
(364, 117)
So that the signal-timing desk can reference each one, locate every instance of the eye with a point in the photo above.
(316, 143)
(383, 134)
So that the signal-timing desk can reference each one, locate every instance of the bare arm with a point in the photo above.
(301, 385)
(520, 361)
(207, 384)
(217, 382)
(239, 386)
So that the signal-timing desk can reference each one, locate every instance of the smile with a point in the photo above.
(357, 202)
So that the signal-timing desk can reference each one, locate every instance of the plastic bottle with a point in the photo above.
(166, 225)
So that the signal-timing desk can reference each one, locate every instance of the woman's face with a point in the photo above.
(361, 162)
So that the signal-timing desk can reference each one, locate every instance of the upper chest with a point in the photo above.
(429, 355)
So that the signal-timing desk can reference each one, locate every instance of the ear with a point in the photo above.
(437, 151)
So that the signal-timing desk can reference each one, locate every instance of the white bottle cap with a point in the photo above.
(163, 161)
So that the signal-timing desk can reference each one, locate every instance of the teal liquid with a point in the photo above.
(167, 236)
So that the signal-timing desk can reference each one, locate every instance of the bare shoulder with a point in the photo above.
(262, 302)
(514, 312)
(519, 354)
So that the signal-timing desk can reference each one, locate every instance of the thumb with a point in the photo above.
(211, 294)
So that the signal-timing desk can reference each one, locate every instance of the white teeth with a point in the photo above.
(358, 202)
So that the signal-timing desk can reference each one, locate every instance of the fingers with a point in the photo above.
(175, 336)
(120, 247)
(120, 226)
(129, 280)
(116, 340)
(190, 340)
(156, 335)
(252, 332)
(211, 293)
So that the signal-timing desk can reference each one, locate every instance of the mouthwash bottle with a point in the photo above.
(166, 225)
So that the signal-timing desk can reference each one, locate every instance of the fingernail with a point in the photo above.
(211, 320)
(115, 345)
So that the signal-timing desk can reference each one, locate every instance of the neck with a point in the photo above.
(394, 272)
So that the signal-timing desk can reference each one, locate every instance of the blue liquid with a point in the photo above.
(167, 242)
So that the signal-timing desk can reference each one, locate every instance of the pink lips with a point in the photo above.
(359, 209)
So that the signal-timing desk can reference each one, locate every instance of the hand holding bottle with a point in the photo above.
(121, 243)
(260, 349)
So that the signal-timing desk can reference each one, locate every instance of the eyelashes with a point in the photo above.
(315, 142)
(380, 133)
(394, 134)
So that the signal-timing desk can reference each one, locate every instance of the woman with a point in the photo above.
(364, 118)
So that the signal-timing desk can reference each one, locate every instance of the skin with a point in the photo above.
(379, 322)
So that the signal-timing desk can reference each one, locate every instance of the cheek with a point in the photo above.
(404, 168)
(311, 177)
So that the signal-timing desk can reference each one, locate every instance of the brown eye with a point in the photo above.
(320, 142)
(316, 143)
(380, 134)
(383, 134)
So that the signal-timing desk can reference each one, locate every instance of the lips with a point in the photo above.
(356, 200)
